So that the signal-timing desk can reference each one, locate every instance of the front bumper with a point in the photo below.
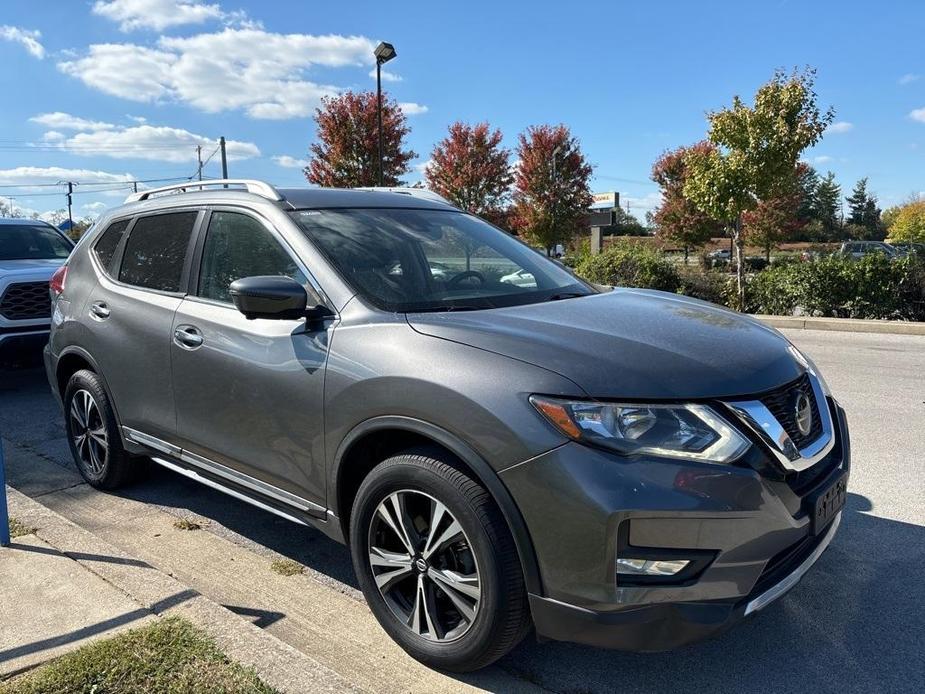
(581, 505)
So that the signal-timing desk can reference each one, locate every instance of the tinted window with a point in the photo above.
(434, 260)
(155, 251)
(239, 246)
(105, 248)
(32, 242)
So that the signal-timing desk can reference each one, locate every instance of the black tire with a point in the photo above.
(115, 467)
(424, 478)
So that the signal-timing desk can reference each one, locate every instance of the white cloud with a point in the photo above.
(840, 127)
(412, 109)
(386, 76)
(247, 68)
(29, 39)
(288, 162)
(30, 175)
(421, 166)
(639, 206)
(822, 159)
(65, 121)
(918, 114)
(137, 119)
(156, 14)
(94, 209)
(909, 78)
(154, 143)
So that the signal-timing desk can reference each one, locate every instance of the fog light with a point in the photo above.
(650, 567)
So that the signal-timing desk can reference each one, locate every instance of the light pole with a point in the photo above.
(555, 187)
(384, 53)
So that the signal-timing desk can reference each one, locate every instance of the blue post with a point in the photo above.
(4, 511)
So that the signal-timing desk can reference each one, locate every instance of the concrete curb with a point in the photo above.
(278, 664)
(851, 325)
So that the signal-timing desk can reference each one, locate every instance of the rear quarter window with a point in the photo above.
(156, 251)
(105, 248)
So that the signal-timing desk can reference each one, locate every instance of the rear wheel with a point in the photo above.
(93, 433)
(437, 562)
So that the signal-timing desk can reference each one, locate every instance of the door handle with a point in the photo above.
(100, 310)
(187, 337)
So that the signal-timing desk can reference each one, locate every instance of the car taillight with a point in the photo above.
(56, 283)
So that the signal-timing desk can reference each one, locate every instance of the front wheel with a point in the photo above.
(437, 563)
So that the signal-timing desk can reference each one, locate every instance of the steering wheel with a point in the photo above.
(456, 279)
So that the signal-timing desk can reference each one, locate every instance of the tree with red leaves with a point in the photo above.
(346, 154)
(471, 169)
(677, 218)
(774, 220)
(551, 190)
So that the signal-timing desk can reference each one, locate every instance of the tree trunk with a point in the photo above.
(739, 242)
(686, 252)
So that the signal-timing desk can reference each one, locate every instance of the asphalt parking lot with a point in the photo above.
(855, 623)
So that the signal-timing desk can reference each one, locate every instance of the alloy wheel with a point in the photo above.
(424, 566)
(88, 431)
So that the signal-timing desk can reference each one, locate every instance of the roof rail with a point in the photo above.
(422, 193)
(260, 188)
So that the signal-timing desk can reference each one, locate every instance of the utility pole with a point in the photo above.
(70, 192)
(134, 186)
(199, 159)
(11, 198)
(221, 144)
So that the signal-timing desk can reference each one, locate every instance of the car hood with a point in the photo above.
(630, 343)
(30, 267)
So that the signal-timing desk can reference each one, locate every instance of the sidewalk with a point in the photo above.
(332, 636)
(63, 587)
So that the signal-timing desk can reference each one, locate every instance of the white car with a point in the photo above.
(521, 278)
(30, 252)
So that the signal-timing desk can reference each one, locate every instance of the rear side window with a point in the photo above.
(156, 250)
(105, 248)
(239, 246)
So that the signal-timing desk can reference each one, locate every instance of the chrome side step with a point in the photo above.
(192, 474)
(198, 462)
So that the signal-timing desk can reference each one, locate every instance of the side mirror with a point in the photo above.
(273, 297)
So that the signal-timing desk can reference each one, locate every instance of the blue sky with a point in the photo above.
(103, 91)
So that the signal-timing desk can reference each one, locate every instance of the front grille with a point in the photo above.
(26, 301)
(781, 402)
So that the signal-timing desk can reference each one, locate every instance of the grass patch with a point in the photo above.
(287, 567)
(170, 655)
(18, 528)
(186, 524)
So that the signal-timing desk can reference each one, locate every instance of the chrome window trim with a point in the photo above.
(759, 420)
(223, 471)
(777, 590)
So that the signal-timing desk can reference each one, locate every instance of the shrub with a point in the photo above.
(839, 287)
(628, 265)
(715, 287)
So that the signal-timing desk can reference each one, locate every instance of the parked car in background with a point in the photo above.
(858, 249)
(618, 467)
(904, 248)
(720, 254)
(30, 251)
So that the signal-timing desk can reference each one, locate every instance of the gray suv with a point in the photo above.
(616, 467)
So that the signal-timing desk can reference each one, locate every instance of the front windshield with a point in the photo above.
(31, 242)
(434, 260)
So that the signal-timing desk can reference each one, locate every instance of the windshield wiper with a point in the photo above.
(447, 309)
(565, 295)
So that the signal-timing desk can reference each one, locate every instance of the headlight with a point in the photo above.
(693, 432)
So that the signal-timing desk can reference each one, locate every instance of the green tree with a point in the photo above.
(757, 150)
(826, 208)
(864, 213)
(807, 181)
